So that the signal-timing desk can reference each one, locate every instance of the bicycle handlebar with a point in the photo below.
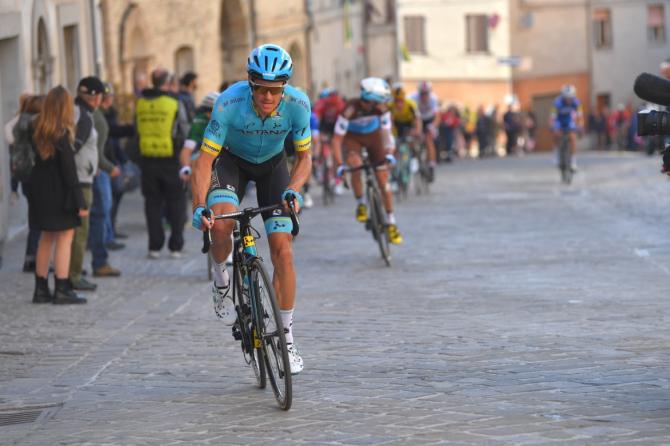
(247, 213)
(366, 166)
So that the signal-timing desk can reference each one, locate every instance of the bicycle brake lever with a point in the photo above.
(294, 219)
(206, 235)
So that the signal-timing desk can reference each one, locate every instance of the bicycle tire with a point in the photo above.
(209, 267)
(269, 325)
(255, 359)
(565, 161)
(328, 194)
(378, 223)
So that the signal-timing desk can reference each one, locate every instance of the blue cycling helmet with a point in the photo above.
(270, 62)
(375, 89)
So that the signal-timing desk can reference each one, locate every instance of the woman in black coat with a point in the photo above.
(56, 200)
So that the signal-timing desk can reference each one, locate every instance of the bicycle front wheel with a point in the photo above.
(271, 331)
(378, 223)
(251, 343)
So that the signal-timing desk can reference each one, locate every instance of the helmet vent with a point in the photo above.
(274, 64)
(257, 61)
(283, 65)
(266, 62)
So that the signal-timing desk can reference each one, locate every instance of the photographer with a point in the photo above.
(655, 122)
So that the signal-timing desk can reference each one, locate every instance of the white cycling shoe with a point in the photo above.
(294, 359)
(224, 307)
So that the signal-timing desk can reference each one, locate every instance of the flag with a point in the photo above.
(348, 31)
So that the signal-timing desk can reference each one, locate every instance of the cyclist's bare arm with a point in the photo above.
(302, 169)
(336, 145)
(202, 173)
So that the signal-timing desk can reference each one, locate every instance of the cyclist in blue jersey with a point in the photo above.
(244, 141)
(567, 117)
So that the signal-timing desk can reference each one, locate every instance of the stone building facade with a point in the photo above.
(212, 39)
(43, 43)
(627, 38)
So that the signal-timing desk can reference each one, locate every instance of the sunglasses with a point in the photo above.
(264, 89)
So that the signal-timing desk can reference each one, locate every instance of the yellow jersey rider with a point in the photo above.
(405, 115)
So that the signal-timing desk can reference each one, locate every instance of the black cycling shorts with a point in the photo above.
(230, 175)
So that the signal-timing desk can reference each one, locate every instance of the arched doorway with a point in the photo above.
(42, 63)
(184, 60)
(299, 76)
(139, 59)
(234, 40)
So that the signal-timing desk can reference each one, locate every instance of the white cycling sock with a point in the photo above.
(361, 199)
(221, 277)
(391, 218)
(287, 322)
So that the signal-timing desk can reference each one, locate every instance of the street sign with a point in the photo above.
(513, 61)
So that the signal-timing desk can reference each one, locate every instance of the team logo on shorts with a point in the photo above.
(276, 212)
(230, 187)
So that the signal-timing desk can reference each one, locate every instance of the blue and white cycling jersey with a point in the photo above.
(236, 125)
(565, 113)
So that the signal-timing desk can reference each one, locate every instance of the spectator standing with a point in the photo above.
(101, 209)
(469, 122)
(187, 87)
(450, 122)
(159, 128)
(19, 131)
(512, 126)
(115, 153)
(89, 97)
(530, 125)
(56, 199)
(483, 132)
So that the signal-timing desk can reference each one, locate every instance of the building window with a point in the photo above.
(71, 43)
(477, 33)
(415, 34)
(656, 24)
(184, 60)
(602, 28)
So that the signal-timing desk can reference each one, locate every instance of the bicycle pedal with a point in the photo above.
(237, 334)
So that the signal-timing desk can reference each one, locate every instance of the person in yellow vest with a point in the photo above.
(161, 124)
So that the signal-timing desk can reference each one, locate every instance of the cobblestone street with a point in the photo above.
(517, 311)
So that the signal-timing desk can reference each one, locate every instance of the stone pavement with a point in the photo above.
(518, 311)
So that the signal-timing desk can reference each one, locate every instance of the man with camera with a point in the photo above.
(654, 121)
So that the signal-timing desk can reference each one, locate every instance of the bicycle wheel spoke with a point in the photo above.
(271, 333)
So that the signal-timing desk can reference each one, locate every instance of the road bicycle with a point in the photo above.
(419, 168)
(259, 326)
(325, 173)
(565, 158)
(402, 172)
(376, 222)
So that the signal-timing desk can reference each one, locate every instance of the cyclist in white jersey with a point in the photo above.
(429, 108)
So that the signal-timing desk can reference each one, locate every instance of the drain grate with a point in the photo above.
(29, 416)
(23, 415)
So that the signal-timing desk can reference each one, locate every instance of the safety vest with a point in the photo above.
(155, 119)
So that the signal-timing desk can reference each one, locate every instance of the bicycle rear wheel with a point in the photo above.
(378, 223)
(565, 161)
(273, 340)
(328, 194)
(251, 343)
